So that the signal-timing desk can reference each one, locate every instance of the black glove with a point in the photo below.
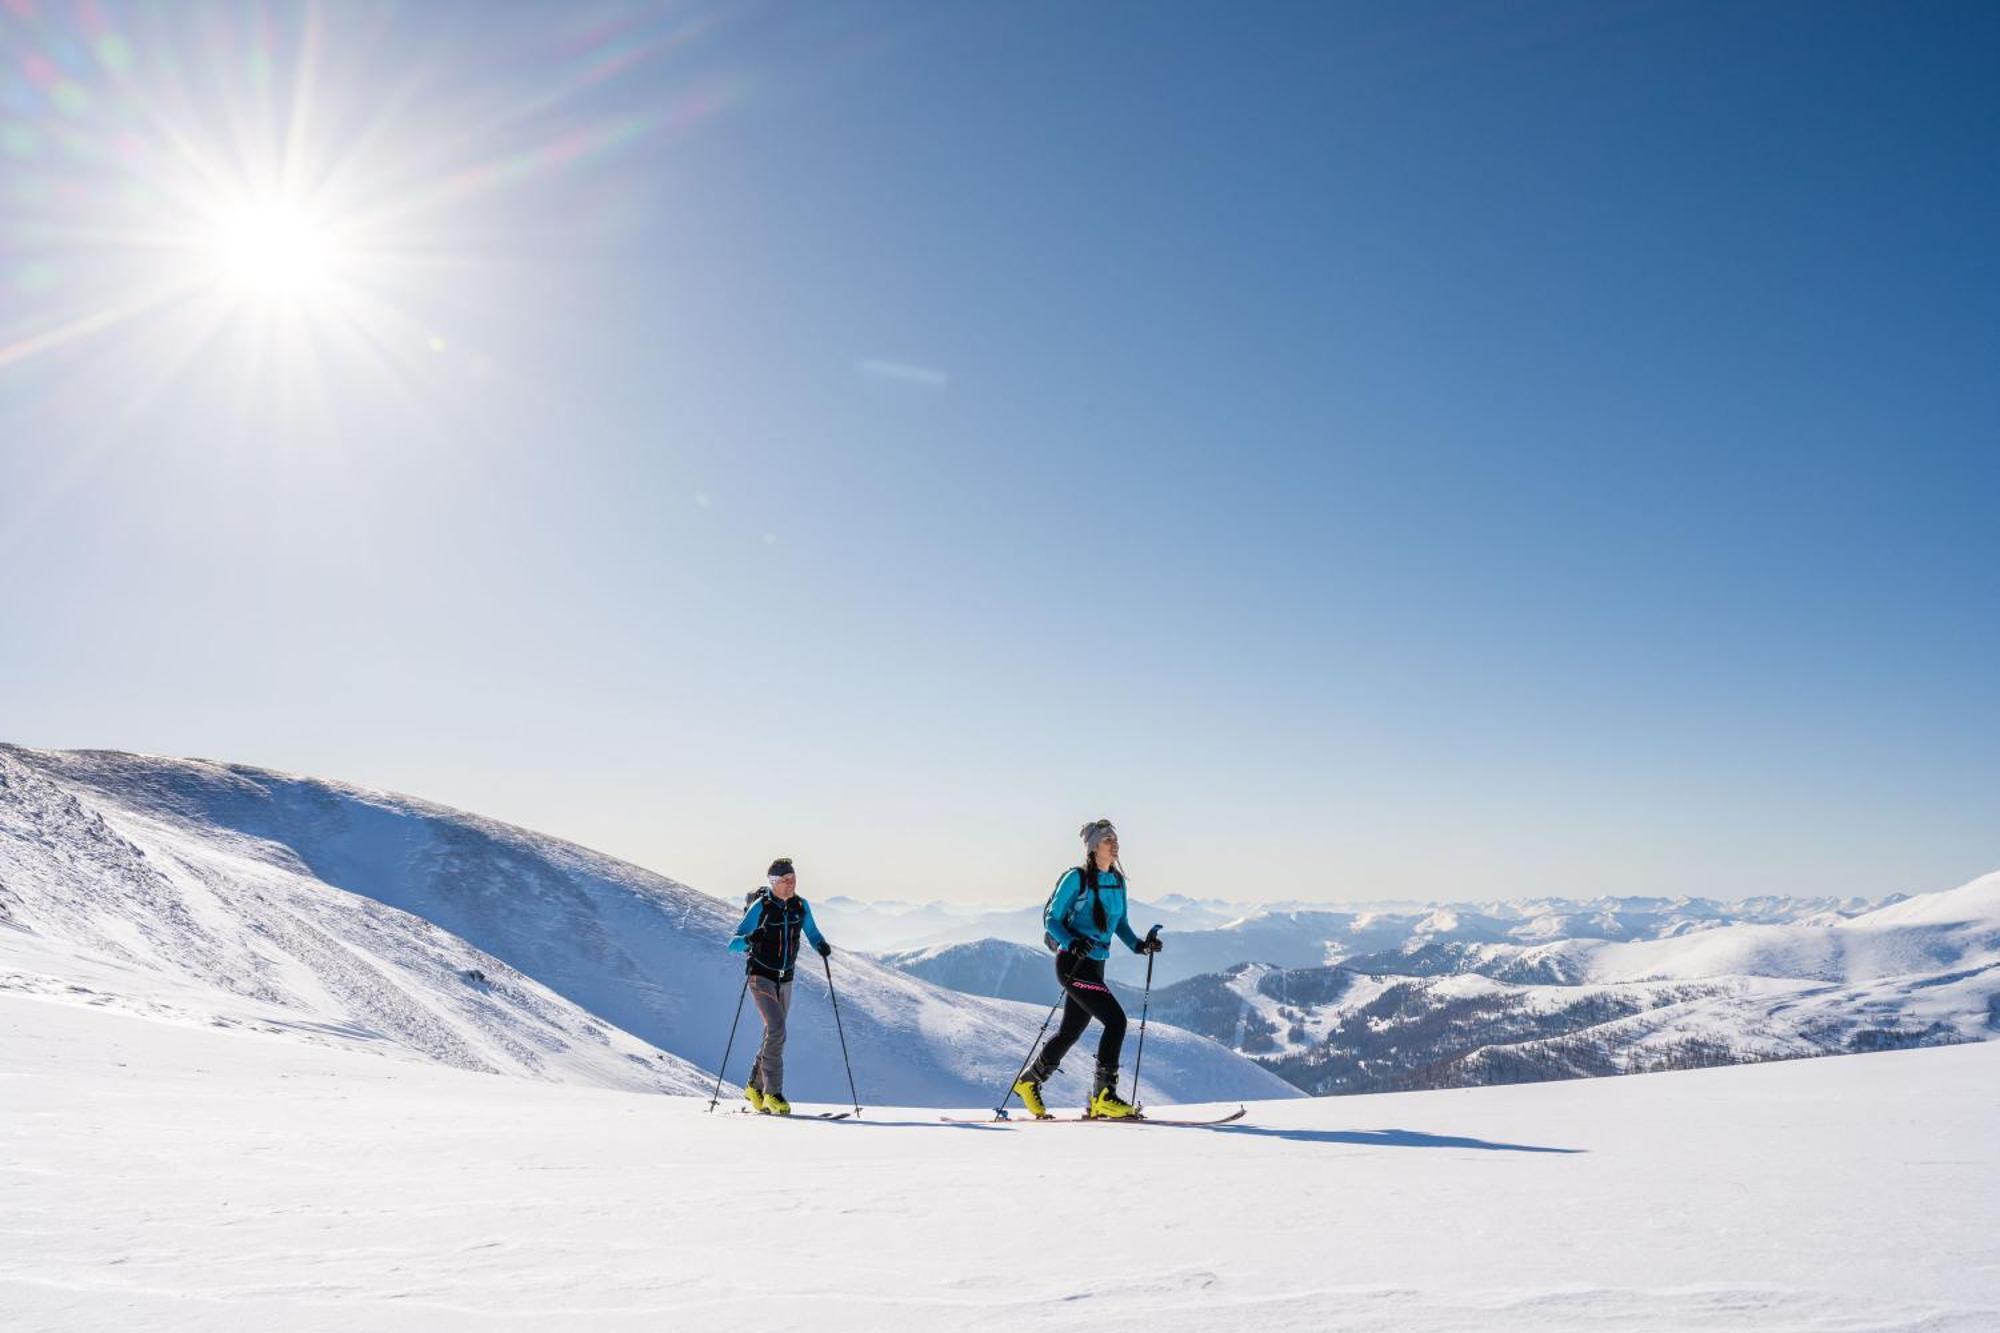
(824, 948)
(1078, 949)
(1151, 944)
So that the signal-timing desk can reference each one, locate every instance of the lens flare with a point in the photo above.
(304, 209)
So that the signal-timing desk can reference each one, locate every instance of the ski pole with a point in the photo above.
(1138, 1060)
(732, 1039)
(1001, 1109)
(832, 995)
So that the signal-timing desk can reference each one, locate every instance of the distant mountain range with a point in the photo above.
(1209, 935)
(891, 926)
(229, 896)
(1447, 996)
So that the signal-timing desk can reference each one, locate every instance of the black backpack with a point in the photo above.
(1089, 873)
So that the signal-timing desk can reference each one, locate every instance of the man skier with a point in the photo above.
(1086, 910)
(769, 935)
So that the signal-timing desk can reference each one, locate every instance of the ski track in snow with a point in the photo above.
(160, 1176)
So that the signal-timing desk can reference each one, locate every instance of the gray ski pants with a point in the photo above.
(774, 1001)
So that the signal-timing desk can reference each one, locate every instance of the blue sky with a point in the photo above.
(1369, 451)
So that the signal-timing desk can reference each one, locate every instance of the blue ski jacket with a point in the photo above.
(772, 938)
(1071, 916)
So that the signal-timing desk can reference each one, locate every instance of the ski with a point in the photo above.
(1237, 1114)
(1143, 1119)
(815, 1115)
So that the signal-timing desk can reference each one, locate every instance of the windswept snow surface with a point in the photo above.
(144, 882)
(161, 1176)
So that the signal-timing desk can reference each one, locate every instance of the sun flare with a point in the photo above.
(303, 209)
(271, 250)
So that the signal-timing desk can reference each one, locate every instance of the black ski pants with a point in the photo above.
(1085, 996)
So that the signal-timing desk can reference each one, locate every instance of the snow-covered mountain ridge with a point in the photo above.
(1921, 971)
(110, 906)
(184, 887)
(984, 967)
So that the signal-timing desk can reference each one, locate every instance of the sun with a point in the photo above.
(274, 250)
(284, 199)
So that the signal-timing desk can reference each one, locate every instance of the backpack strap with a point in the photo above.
(1087, 879)
(1092, 877)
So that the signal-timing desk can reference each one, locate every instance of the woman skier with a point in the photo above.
(1085, 911)
(769, 935)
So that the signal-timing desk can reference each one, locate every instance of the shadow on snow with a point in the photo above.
(1384, 1138)
(1364, 1138)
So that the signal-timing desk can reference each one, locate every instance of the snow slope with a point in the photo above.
(356, 907)
(167, 1177)
(101, 905)
(1974, 907)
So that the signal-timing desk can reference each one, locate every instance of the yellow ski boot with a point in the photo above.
(1108, 1105)
(1030, 1093)
(775, 1104)
(755, 1097)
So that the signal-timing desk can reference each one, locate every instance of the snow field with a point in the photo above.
(164, 1176)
